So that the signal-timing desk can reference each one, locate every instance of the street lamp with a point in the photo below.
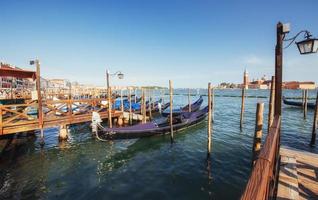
(307, 46)
(120, 76)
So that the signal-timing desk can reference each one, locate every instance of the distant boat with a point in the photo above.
(177, 111)
(298, 103)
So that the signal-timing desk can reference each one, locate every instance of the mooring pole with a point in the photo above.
(121, 101)
(258, 131)
(212, 103)
(314, 127)
(303, 98)
(149, 104)
(209, 118)
(189, 100)
(130, 112)
(305, 104)
(171, 111)
(135, 95)
(143, 106)
(271, 104)
(109, 101)
(242, 108)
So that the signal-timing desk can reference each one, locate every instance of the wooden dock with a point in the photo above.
(15, 118)
(298, 175)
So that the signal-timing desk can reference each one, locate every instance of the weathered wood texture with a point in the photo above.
(258, 130)
(298, 175)
(260, 185)
(209, 119)
(314, 126)
(15, 118)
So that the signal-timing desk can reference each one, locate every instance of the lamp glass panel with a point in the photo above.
(315, 48)
(120, 76)
(301, 48)
(308, 46)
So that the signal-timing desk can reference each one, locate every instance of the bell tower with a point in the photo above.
(245, 80)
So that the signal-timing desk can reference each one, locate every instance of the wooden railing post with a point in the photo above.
(314, 127)
(38, 89)
(1, 121)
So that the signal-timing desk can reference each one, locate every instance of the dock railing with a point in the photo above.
(16, 118)
(263, 179)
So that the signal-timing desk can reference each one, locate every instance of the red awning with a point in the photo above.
(17, 73)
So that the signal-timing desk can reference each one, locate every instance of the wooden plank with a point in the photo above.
(288, 180)
(307, 171)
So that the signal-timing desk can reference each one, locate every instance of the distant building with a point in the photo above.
(14, 82)
(58, 83)
(299, 85)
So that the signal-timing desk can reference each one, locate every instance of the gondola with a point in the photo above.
(148, 129)
(156, 107)
(175, 112)
(298, 103)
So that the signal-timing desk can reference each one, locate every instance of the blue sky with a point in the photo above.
(152, 41)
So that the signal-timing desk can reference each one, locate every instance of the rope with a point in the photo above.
(97, 136)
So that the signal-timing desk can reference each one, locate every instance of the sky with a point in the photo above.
(154, 41)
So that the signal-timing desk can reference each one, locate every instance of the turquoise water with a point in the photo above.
(150, 168)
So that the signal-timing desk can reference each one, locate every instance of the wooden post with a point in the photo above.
(209, 118)
(70, 110)
(314, 127)
(189, 100)
(143, 106)
(171, 113)
(278, 68)
(258, 130)
(242, 107)
(135, 95)
(109, 101)
(305, 104)
(130, 113)
(38, 89)
(271, 103)
(303, 98)
(150, 105)
(212, 103)
(121, 101)
(1, 122)
(163, 96)
(63, 133)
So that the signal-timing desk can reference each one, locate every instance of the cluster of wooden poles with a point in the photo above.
(259, 117)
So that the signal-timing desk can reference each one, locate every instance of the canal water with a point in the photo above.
(150, 168)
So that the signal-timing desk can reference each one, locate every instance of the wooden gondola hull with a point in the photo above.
(151, 129)
(298, 104)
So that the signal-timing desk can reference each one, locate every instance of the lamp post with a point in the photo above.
(307, 46)
(120, 76)
(39, 97)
